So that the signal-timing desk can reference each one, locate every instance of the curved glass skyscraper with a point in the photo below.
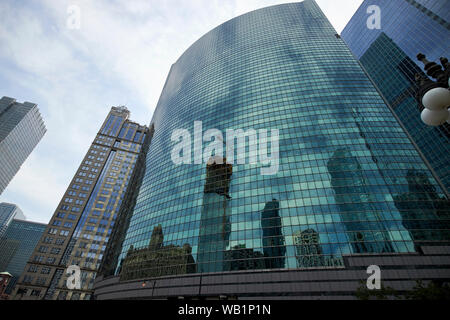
(341, 167)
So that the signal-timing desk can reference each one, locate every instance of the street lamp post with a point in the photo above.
(434, 96)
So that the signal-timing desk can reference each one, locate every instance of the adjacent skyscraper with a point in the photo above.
(16, 246)
(388, 54)
(301, 231)
(81, 225)
(21, 128)
(9, 212)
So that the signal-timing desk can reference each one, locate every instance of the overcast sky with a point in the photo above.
(120, 55)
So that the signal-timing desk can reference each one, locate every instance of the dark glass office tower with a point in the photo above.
(358, 205)
(389, 56)
(309, 228)
(16, 246)
(81, 226)
(21, 129)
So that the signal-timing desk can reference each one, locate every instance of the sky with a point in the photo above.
(120, 55)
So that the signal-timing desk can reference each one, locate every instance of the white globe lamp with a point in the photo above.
(434, 117)
(436, 99)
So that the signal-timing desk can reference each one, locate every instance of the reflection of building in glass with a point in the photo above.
(363, 224)
(81, 225)
(215, 225)
(420, 206)
(307, 249)
(273, 240)
(158, 259)
(389, 56)
(242, 258)
(21, 129)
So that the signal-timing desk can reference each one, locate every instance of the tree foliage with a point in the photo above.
(433, 290)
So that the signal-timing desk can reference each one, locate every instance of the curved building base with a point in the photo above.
(398, 271)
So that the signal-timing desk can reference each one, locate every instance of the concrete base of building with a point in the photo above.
(398, 271)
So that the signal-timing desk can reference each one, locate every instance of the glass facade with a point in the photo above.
(16, 247)
(9, 212)
(81, 226)
(389, 56)
(345, 163)
(21, 129)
